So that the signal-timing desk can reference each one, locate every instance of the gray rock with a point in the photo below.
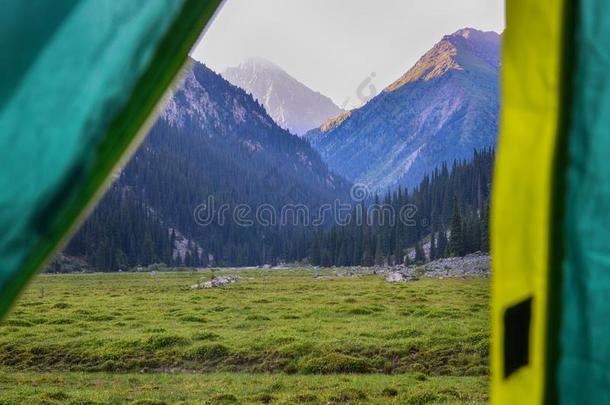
(397, 277)
(472, 265)
(216, 282)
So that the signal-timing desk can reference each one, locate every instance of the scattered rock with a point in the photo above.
(397, 277)
(475, 264)
(472, 265)
(216, 282)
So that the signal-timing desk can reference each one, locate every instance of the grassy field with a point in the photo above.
(274, 337)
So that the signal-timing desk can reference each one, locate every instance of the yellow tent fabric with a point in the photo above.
(522, 200)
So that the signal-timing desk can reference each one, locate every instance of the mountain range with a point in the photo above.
(291, 104)
(440, 110)
(216, 140)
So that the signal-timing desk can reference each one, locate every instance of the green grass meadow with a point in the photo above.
(276, 336)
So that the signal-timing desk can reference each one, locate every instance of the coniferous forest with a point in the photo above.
(449, 216)
(122, 233)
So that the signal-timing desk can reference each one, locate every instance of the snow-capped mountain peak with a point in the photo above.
(290, 103)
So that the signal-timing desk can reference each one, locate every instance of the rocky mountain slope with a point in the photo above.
(440, 110)
(213, 140)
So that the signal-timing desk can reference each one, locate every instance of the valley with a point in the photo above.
(151, 303)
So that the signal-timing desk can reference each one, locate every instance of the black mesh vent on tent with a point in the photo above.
(516, 336)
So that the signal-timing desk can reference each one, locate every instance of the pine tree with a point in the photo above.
(420, 255)
(326, 259)
(367, 255)
(316, 253)
(441, 248)
(485, 229)
(456, 239)
(342, 256)
(379, 259)
(367, 258)
(433, 246)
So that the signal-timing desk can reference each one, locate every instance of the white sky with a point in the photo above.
(333, 46)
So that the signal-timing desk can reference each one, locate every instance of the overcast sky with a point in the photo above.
(333, 46)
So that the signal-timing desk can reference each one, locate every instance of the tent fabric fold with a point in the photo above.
(583, 374)
(79, 81)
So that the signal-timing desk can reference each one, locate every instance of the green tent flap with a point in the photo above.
(79, 81)
(584, 352)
